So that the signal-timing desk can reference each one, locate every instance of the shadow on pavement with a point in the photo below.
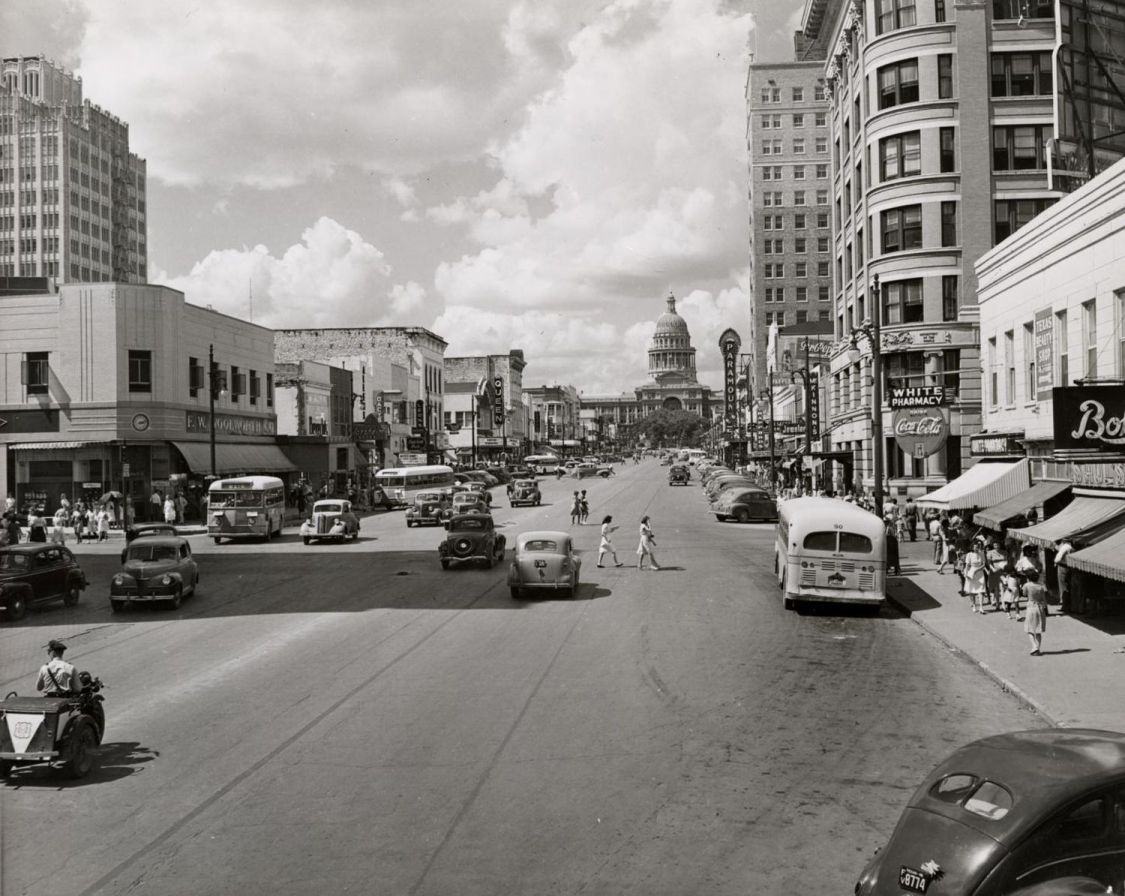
(1060, 652)
(1110, 625)
(116, 760)
(910, 597)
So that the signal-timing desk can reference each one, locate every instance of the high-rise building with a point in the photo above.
(790, 236)
(72, 195)
(939, 115)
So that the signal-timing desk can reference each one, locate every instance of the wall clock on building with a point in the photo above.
(140, 422)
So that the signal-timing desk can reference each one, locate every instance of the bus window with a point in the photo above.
(851, 543)
(820, 541)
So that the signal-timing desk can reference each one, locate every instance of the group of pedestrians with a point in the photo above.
(645, 545)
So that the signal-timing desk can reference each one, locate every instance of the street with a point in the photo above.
(352, 717)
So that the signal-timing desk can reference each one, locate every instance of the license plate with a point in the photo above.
(912, 879)
(540, 564)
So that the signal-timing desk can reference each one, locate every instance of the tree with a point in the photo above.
(670, 428)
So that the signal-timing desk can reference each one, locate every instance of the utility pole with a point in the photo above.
(773, 455)
(212, 388)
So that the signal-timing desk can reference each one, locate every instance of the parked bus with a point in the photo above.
(245, 507)
(830, 551)
(401, 484)
(543, 464)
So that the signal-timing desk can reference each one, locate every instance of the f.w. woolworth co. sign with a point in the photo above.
(1089, 417)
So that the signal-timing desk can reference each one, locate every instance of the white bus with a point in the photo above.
(830, 551)
(245, 507)
(543, 464)
(401, 484)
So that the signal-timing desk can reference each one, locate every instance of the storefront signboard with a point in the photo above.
(35, 420)
(490, 442)
(920, 432)
(371, 432)
(995, 445)
(1089, 417)
(1044, 354)
(1098, 475)
(917, 397)
(412, 460)
(232, 424)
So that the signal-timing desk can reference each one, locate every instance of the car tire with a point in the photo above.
(444, 563)
(79, 753)
(306, 540)
(72, 595)
(17, 607)
(410, 524)
(6, 766)
(218, 540)
(118, 606)
(269, 534)
(741, 515)
(515, 591)
(176, 599)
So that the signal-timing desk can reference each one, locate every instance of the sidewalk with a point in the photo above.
(1073, 684)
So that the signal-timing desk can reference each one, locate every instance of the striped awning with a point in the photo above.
(50, 446)
(994, 516)
(233, 457)
(982, 485)
(1106, 558)
(1084, 512)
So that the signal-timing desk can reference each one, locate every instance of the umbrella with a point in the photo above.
(110, 496)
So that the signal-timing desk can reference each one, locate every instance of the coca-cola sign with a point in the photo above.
(920, 432)
(1089, 417)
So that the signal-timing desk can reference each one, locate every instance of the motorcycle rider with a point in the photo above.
(57, 677)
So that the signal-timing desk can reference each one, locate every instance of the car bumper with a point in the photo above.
(143, 592)
(30, 757)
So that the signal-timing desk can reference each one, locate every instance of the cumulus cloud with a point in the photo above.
(400, 190)
(333, 277)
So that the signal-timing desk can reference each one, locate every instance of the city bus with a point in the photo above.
(245, 507)
(401, 484)
(830, 551)
(543, 464)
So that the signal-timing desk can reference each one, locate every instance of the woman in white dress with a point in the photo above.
(606, 545)
(647, 543)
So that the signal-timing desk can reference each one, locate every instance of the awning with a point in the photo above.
(235, 457)
(50, 446)
(1106, 558)
(1084, 512)
(994, 516)
(982, 485)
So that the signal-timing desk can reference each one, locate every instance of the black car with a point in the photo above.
(32, 574)
(472, 538)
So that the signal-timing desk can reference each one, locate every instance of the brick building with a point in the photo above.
(469, 378)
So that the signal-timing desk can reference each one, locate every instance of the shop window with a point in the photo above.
(36, 373)
(140, 371)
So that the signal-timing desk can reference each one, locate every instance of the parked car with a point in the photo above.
(465, 502)
(679, 475)
(35, 573)
(501, 475)
(331, 520)
(584, 470)
(139, 529)
(521, 473)
(717, 486)
(1029, 812)
(745, 504)
(484, 477)
(157, 568)
(544, 561)
(481, 490)
(428, 509)
(472, 538)
(524, 491)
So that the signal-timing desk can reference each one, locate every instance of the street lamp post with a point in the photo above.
(214, 389)
(773, 454)
(870, 329)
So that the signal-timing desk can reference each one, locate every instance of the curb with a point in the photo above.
(1011, 687)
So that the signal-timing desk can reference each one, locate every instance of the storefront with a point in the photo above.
(983, 485)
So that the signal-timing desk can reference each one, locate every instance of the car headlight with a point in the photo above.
(165, 580)
(119, 580)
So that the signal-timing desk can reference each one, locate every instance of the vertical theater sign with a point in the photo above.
(729, 344)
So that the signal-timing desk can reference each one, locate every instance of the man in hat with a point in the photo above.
(57, 677)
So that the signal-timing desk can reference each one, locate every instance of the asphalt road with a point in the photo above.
(352, 719)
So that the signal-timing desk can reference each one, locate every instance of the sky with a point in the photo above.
(531, 174)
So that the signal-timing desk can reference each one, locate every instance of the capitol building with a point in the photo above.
(672, 383)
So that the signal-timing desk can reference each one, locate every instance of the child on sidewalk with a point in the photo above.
(1009, 592)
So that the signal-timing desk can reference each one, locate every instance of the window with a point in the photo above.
(255, 387)
(1010, 367)
(950, 373)
(798, 197)
(902, 229)
(944, 76)
(195, 377)
(948, 157)
(993, 373)
(1012, 214)
(902, 302)
(1020, 147)
(140, 371)
(1022, 74)
(802, 293)
(269, 390)
(821, 172)
(900, 156)
(1061, 349)
(822, 293)
(798, 146)
(822, 244)
(236, 383)
(939, 10)
(1090, 337)
(898, 83)
(798, 121)
(822, 269)
(822, 144)
(37, 373)
(822, 219)
(798, 172)
(798, 94)
(800, 245)
(818, 95)
(801, 269)
(949, 223)
(1029, 361)
(822, 197)
(799, 222)
(902, 369)
(892, 14)
(802, 317)
(950, 288)
(1023, 9)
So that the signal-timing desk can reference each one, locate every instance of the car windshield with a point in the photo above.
(152, 553)
(541, 545)
(14, 561)
(329, 508)
(465, 498)
(235, 499)
(525, 483)
(428, 498)
(468, 526)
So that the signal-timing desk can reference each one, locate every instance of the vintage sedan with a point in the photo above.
(157, 568)
(465, 502)
(544, 561)
(146, 530)
(331, 520)
(428, 509)
(32, 574)
(481, 491)
(472, 538)
(678, 475)
(745, 504)
(1029, 812)
(525, 491)
(585, 469)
